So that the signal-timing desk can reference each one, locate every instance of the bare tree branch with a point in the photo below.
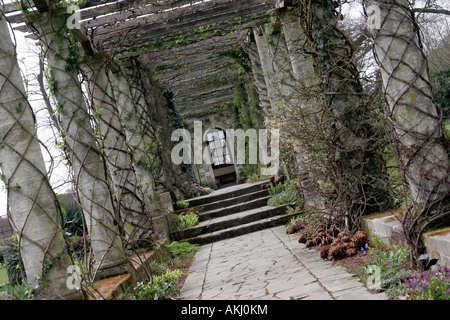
(430, 10)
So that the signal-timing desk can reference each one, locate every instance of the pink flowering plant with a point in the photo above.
(427, 285)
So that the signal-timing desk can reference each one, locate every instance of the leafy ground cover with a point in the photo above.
(390, 271)
(168, 275)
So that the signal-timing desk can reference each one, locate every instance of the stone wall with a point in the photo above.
(438, 245)
(386, 228)
(204, 172)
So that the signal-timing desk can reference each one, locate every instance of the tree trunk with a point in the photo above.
(33, 210)
(415, 120)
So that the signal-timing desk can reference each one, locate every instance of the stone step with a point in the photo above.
(226, 193)
(114, 288)
(232, 201)
(231, 212)
(386, 228)
(437, 243)
(235, 231)
(234, 208)
(233, 220)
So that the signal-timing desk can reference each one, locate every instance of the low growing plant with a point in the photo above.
(278, 188)
(182, 204)
(426, 285)
(187, 221)
(293, 221)
(387, 268)
(13, 265)
(182, 249)
(18, 291)
(72, 220)
(159, 287)
(288, 194)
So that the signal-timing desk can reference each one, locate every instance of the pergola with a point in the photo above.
(182, 40)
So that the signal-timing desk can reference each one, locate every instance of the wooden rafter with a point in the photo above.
(180, 38)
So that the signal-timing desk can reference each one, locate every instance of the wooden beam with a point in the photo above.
(212, 44)
(224, 11)
(153, 16)
(130, 42)
(91, 11)
(100, 8)
(9, 7)
(41, 5)
(17, 17)
(203, 105)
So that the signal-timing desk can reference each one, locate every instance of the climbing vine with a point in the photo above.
(331, 142)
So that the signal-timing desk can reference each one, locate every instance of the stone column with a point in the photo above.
(306, 84)
(267, 70)
(141, 139)
(134, 214)
(301, 62)
(85, 156)
(33, 210)
(416, 121)
(258, 75)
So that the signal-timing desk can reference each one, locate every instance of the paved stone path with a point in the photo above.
(268, 264)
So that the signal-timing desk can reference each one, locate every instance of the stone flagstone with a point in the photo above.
(268, 265)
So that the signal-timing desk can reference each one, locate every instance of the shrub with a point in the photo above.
(441, 85)
(293, 221)
(278, 188)
(72, 219)
(80, 245)
(14, 266)
(197, 190)
(17, 292)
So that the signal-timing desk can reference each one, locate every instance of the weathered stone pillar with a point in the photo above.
(416, 121)
(356, 171)
(301, 62)
(139, 138)
(33, 210)
(134, 214)
(150, 127)
(260, 81)
(267, 69)
(309, 102)
(281, 65)
(85, 156)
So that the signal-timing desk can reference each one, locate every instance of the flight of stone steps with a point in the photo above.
(233, 211)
